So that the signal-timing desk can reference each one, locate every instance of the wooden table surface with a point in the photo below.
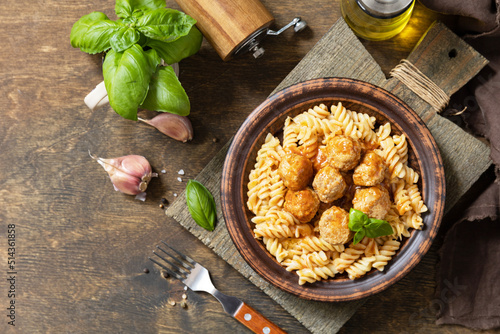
(81, 248)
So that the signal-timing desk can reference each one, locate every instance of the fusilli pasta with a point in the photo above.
(298, 246)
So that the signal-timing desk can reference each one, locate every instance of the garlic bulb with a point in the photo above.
(129, 174)
(174, 126)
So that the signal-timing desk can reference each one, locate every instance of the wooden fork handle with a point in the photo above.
(256, 321)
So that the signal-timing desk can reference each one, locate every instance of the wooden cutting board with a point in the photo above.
(441, 56)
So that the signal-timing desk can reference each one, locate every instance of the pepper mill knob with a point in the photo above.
(299, 25)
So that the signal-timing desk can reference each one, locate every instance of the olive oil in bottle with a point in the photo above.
(377, 19)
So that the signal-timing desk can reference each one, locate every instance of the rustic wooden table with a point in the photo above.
(81, 248)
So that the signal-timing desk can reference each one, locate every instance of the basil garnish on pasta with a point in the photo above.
(363, 225)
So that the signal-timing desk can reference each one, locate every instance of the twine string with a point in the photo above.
(420, 84)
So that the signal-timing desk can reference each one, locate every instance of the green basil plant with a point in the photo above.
(145, 33)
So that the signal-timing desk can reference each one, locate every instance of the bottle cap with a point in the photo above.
(384, 8)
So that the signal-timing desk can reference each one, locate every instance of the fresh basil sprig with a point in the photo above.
(201, 204)
(363, 225)
(133, 77)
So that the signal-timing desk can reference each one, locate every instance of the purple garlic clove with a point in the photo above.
(174, 126)
(129, 174)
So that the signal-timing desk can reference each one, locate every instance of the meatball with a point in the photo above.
(303, 204)
(329, 184)
(343, 152)
(296, 171)
(334, 226)
(373, 201)
(370, 171)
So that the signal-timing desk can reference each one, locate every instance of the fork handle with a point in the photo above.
(255, 321)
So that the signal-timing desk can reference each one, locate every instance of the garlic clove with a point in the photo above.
(126, 183)
(136, 165)
(174, 126)
(129, 174)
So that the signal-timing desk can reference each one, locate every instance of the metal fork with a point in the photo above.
(197, 278)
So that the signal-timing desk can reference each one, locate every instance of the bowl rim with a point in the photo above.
(263, 118)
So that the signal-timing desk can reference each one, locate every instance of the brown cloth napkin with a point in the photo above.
(468, 280)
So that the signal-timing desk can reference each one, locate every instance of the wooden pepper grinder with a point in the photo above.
(234, 27)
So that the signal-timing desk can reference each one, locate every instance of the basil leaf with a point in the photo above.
(125, 8)
(373, 223)
(358, 236)
(126, 77)
(201, 204)
(166, 93)
(165, 24)
(378, 228)
(357, 220)
(124, 38)
(181, 48)
(92, 32)
(360, 223)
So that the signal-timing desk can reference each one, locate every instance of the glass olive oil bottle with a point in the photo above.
(377, 19)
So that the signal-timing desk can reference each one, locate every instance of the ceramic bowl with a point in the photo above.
(269, 117)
